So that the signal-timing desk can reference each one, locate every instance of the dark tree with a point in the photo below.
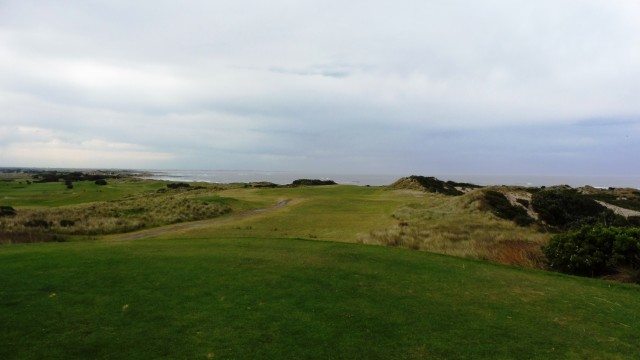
(7, 211)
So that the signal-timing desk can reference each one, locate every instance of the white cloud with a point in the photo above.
(90, 154)
(302, 83)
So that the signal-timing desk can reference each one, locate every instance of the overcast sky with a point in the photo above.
(547, 87)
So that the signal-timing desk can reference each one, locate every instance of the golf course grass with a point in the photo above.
(271, 286)
(286, 298)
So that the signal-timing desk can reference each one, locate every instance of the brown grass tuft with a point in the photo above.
(518, 252)
(132, 213)
(458, 226)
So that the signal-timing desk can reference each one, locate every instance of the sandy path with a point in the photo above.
(619, 210)
(199, 224)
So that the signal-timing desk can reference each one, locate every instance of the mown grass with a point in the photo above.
(285, 298)
(18, 193)
(335, 213)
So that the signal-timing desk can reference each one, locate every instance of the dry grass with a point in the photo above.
(135, 212)
(27, 237)
(457, 226)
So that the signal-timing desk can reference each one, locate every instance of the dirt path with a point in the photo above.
(199, 224)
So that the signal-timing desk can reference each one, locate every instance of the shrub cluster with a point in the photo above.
(35, 223)
(594, 250)
(434, 185)
(630, 200)
(7, 237)
(502, 207)
(312, 182)
(263, 184)
(55, 176)
(7, 211)
(178, 186)
(568, 209)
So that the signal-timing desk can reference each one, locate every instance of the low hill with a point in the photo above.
(432, 184)
(561, 208)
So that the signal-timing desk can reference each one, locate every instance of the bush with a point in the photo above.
(37, 223)
(101, 182)
(67, 223)
(178, 185)
(566, 208)
(594, 250)
(28, 237)
(634, 221)
(501, 207)
(7, 211)
(313, 182)
(434, 185)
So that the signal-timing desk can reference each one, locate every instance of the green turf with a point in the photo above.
(20, 194)
(336, 213)
(285, 299)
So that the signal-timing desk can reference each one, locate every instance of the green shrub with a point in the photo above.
(101, 182)
(502, 207)
(178, 186)
(435, 185)
(312, 182)
(594, 250)
(634, 221)
(566, 209)
(67, 223)
(38, 223)
(55, 176)
(7, 211)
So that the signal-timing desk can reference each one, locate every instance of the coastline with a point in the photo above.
(285, 177)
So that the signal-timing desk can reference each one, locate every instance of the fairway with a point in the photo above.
(290, 272)
(286, 298)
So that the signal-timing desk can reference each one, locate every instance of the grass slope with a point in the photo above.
(231, 298)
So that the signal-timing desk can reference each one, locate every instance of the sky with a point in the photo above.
(546, 87)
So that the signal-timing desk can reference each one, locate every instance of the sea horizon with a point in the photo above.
(283, 177)
(287, 177)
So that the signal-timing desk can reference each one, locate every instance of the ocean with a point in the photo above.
(287, 177)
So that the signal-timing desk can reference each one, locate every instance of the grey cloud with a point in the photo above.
(408, 86)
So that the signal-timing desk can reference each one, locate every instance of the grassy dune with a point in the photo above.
(121, 206)
(458, 226)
